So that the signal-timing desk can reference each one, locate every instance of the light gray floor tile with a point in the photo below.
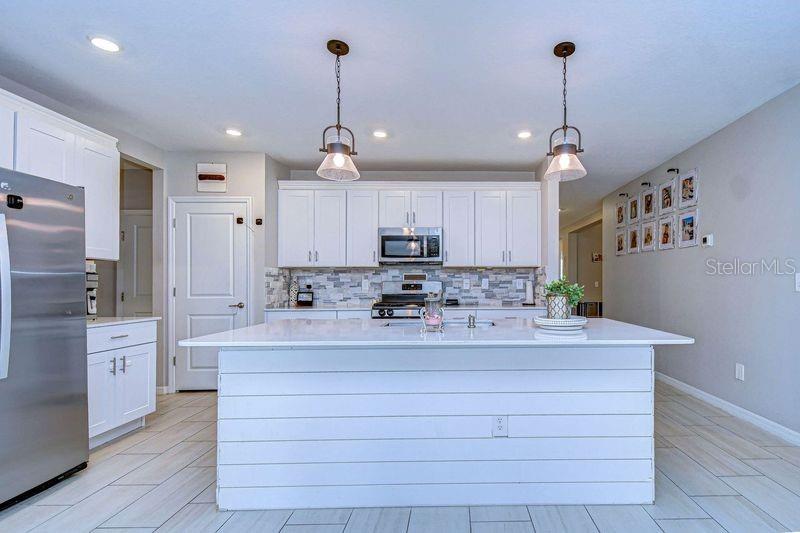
(313, 528)
(699, 406)
(737, 515)
(682, 414)
(88, 481)
(94, 510)
(261, 521)
(118, 446)
(787, 453)
(783, 472)
(23, 517)
(672, 502)
(688, 475)
(208, 414)
(732, 443)
(197, 518)
(206, 400)
(777, 501)
(667, 427)
(437, 519)
(502, 527)
(622, 519)
(561, 519)
(320, 516)
(165, 465)
(207, 459)
(164, 440)
(157, 506)
(712, 458)
(169, 419)
(209, 495)
(748, 431)
(123, 530)
(668, 390)
(692, 525)
(379, 520)
(661, 442)
(207, 434)
(499, 513)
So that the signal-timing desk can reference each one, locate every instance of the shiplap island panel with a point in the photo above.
(319, 414)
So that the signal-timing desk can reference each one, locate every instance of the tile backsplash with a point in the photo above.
(345, 285)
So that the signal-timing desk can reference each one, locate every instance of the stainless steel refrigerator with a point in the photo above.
(43, 414)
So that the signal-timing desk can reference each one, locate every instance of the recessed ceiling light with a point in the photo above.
(380, 134)
(105, 44)
(233, 132)
(524, 134)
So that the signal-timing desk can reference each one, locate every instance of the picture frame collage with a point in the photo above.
(659, 217)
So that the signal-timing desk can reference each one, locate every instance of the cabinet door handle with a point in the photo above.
(124, 363)
(407, 219)
(414, 217)
(115, 337)
(373, 256)
(445, 255)
(504, 256)
(113, 368)
(316, 256)
(309, 256)
(509, 256)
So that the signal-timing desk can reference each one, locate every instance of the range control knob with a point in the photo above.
(390, 312)
(382, 312)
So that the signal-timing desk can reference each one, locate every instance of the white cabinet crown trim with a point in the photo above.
(409, 185)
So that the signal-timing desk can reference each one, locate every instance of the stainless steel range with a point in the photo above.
(404, 299)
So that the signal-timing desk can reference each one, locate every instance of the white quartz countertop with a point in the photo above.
(367, 306)
(368, 332)
(102, 321)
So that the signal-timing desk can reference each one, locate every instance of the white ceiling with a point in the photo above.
(451, 81)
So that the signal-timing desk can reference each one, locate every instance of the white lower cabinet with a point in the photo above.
(121, 377)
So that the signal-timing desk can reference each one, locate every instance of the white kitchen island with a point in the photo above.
(352, 413)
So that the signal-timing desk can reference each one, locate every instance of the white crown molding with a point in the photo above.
(766, 424)
(409, 185)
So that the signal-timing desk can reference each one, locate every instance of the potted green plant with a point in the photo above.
(562, 297)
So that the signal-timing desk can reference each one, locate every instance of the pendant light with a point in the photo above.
(339, 144)
(565, 165)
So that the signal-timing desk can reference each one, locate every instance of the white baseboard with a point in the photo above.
(117, 432)
(766, 424)
(162, 390)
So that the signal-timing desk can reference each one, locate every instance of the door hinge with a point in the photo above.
(173, 360)
(122, 297)
(174, 291)
(122, 236)
(174, 224)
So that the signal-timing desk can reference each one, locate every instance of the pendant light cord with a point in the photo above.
(339, 92)
(565, 96)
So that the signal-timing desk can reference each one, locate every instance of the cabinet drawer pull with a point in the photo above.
(113, 368)
(114, 337)
(309, 256)
(124, 363)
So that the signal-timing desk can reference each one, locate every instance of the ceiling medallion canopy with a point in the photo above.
(565, 165)
(338, 142)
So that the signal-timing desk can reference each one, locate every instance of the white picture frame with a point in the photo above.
(666, 197)
(212, 177)
(688, 189)
(666, 232)
(620, 213)
(648, 236)
(633, 239)
(633, 214)
(688, 229)
(647, 204)
(621, 242)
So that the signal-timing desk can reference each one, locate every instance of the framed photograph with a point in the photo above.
(687, 229)
(633, 240)
(620, 214)
(621, 246)
(666, 197)
(597, 257)
(212, 177)
(687, 189)
(666, 233)
(633, 209)
(648, 236)
(648, 204)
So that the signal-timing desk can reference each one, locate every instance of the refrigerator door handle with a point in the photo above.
(5, 299)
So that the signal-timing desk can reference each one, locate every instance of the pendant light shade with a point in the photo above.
(340, 144)
(565, 165)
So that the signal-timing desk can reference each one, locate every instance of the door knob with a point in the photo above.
(240, 305)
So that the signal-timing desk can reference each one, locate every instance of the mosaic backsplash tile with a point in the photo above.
(345, 285)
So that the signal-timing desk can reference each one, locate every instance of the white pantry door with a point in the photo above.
(211, 283)
(135, 266)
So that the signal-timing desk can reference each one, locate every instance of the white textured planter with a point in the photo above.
(558, 306)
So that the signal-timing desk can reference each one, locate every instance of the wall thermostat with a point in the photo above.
(708, 240)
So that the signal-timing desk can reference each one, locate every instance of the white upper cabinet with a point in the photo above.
(426, 209)
(98, 166)
(522, 228)
(7, 119)
(490, 228)
(362, 228)
(458, 228)
(45, 148)
(330, 228)
(395, 209)
(295, 228)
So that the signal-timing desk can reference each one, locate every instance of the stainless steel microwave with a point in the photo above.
(410, 245)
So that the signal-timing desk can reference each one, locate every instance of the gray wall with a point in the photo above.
(589, 240)
(749, 189)
(136, 188)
